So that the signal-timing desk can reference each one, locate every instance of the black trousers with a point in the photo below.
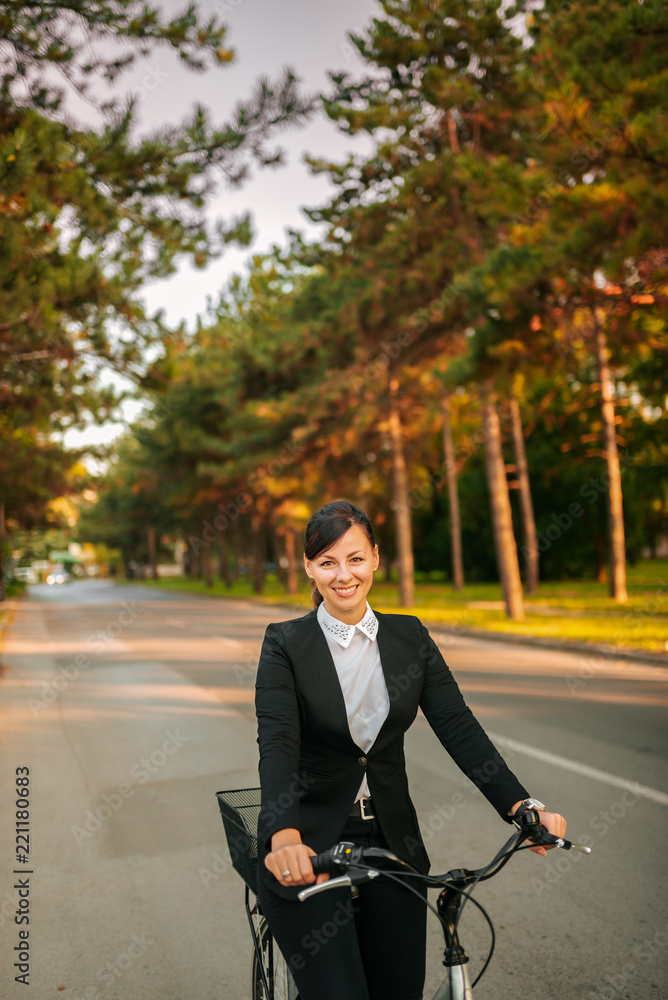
(342, 948)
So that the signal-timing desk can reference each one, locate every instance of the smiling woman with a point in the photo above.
(336, 690)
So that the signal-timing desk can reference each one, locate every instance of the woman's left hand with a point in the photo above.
(554, 824)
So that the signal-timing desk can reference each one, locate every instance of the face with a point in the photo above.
(344, 574)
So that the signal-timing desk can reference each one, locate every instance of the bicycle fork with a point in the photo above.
(457, 984)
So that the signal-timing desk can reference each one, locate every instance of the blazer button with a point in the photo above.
(361, 760)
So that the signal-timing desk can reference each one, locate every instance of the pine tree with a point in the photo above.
(88, 216)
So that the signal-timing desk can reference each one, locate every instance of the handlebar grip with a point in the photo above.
(329, 862)
(336, 860)
(322, 864)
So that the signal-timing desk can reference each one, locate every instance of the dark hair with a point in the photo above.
(325, 528)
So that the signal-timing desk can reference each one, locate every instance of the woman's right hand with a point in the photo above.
(289, 854)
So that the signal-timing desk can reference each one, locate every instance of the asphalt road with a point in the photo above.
(131, 708)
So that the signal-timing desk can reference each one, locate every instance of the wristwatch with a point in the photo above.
(528, 804)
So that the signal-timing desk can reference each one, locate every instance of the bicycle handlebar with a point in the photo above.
(353, 865)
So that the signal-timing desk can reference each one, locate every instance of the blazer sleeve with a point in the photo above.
(462, 735)
(279, 733)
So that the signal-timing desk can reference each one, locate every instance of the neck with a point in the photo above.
(351, 617)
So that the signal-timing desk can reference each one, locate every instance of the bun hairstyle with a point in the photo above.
(327, 526)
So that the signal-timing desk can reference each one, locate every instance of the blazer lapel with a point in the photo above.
(392, 661)
(316, 652)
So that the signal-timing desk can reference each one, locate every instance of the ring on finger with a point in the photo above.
(286, 874)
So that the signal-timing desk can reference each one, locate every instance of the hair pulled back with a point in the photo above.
(327, 526)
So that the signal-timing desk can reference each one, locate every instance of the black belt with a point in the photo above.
(363, 809)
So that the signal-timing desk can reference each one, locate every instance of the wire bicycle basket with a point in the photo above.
(240, 809)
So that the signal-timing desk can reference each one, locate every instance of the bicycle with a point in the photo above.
(348, 865)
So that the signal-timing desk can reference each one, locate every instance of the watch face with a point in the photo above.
(534, 804)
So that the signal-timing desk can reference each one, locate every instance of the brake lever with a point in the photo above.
(354, 876)
(547, 840)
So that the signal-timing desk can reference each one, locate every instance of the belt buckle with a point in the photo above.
(363, 812)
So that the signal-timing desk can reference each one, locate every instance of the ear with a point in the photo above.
(307, 564)
(376, 557)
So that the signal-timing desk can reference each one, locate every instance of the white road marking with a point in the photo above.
(643, 791)
(228, 642)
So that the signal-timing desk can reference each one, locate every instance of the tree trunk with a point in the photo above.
(206, 563)
(290, 553)
(257, 546)
(195, 562)
(152, 560)
(530, 547)
(615, 502)
(127, 568)
(504, 538)
(599, 556)
(401, 504)
(3, 584)
(234, 549)
(277, 546)
(223, 560)
(453, 498)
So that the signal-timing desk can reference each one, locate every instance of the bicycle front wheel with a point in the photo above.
(275, 969)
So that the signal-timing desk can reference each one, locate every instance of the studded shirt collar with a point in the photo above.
(342, 633)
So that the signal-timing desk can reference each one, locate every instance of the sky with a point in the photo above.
(309, 36)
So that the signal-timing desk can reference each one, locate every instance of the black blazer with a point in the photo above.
(310, 766)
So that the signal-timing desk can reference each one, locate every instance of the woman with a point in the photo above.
(336, 691)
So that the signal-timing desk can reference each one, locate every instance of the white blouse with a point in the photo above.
(356, 657)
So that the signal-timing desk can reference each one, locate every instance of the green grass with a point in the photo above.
(579, 611)
(13, 589)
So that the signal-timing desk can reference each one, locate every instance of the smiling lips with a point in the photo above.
(346, 592)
